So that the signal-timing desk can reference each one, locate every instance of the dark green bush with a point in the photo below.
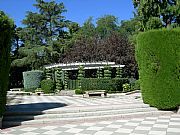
(111, 85)
(158, 57)
(73, 84)
(79, 91)
(6, 30)
(48, 86)
(32, 79)
(135, 85)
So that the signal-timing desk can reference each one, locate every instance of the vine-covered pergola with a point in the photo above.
(62, 72)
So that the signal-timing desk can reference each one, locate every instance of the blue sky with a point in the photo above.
(77, 10)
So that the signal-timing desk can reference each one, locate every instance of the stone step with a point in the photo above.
(87, 118)
(39, 111)
(76, 114)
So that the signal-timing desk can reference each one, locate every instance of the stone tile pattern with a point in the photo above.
(162, 125)
(79, 101)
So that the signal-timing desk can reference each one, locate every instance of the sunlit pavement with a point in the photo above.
(162, 125)
(168, 124)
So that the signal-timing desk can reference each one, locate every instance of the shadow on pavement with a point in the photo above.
(25, 112)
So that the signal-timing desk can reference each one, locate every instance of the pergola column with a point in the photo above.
(80, 74)
(107, 72)
(100, 73)
(48, 73)
(118, 72)
(58, 79)
(66, 79)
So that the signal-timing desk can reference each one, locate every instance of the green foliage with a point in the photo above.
(148, 10)
(114, 47)
(87, 30)
(80, 75)
(43, 34)
(154, 23)
(47, 32)
(81, 72)
(79, 91)
(48, 73)
(126, 87)
(103, 84)
(32, 79)
(48, 86)
(73, 84)
(119, 72)
(129, 27)
(107, 72)
(6, 32)
(58, 79)
(66, 79)
(158, 58)
(106, 25)
(100, 73)
(135, 85)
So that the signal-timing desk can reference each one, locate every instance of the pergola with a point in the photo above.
(86, 65)
(69, 73)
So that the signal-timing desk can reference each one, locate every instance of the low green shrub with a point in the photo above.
(111, 85)
(126, 87)
(79, 91)
(135, 85)
(32, 79)
(48, 86)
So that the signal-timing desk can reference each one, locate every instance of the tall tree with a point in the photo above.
(43, 35)
(106, 25)
(53, 18)
(167, 11)
(88, 28)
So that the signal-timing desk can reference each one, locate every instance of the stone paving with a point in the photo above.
(154, 125)
(78, 101)
(162, 125)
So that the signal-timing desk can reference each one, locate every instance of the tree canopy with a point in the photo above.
(155, 11)
(43, 35)
(48, 37)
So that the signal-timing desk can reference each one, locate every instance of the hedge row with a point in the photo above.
(158, 57)
(32, 79)
(6, 30)
(103, 84)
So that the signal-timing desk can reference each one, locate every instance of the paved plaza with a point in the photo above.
(162, 125)
(69, 107)
(78, 101)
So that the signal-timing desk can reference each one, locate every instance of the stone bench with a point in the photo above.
(15, 89)
(39, 92)
(19, 93)
(101, 93)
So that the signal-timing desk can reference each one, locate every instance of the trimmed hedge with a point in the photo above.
(48, 86)
(79, 92)
(73, 84)
(6, 30)
(103, 84)
(58, 80)
(158, 57)
(32, 79)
